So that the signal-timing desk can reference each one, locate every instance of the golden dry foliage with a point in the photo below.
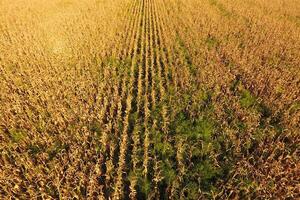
(149, 99)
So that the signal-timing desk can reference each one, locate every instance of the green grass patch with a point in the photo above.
(169, 173)
(246, 99)
(198, 129)
(163, 148)
(208, 172)
(17, 135)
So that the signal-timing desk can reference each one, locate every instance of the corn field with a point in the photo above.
(150, 99)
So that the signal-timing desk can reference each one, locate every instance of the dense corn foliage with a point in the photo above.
(149, 99)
